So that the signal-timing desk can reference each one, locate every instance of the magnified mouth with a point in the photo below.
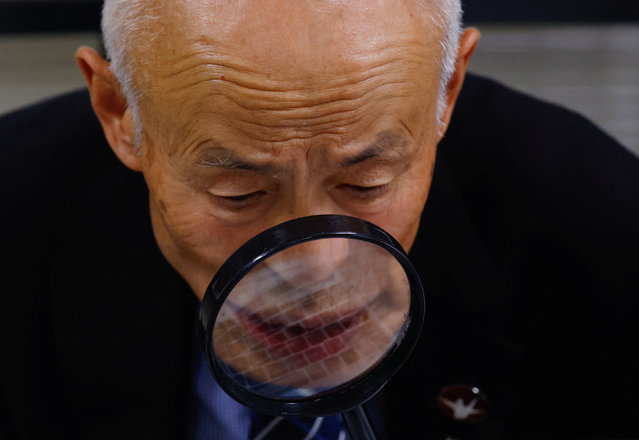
(302, 344)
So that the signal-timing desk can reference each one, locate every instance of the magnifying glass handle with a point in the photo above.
(358, 425)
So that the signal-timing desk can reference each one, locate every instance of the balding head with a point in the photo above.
(135, 31)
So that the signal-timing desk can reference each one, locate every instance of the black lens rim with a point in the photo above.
(277, 239)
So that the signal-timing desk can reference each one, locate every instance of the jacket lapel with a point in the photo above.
(470, 335)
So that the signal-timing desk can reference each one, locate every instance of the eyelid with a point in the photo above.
(237, 185)
(365, 192)
(231, 193)
(240, 201)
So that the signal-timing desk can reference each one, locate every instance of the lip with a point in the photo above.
(304, 345)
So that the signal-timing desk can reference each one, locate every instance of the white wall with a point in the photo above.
(591, 69)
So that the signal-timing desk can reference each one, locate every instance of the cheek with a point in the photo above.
(402, 216)
(180, 218)
(185, 222)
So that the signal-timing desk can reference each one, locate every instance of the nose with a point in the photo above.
(314, 261)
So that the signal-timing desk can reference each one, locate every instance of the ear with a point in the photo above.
(467, 45)
(110, 106)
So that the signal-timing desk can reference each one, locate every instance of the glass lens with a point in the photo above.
(312, 317)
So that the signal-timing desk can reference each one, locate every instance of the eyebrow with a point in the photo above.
(386, 145)
(221, 157)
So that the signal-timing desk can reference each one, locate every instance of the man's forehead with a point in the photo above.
(281, 69)
(311, 33)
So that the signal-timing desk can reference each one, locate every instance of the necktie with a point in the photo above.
(294, 428)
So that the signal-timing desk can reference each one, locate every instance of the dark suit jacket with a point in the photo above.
(528, 250)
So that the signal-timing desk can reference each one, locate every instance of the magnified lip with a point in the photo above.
(303, 344)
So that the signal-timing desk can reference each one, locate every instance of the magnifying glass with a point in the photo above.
(312, 317)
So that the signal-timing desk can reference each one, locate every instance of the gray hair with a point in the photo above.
(127, 22)
(447, 16)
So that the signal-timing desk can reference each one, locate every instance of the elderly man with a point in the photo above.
(231, 117)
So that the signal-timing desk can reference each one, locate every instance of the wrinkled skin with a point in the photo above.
(255, 113)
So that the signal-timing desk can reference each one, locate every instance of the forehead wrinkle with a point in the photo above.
(306, 84)
(291, 99)
(342, 110)
(307, 123)
(294, 101)
(287, 131)
(269, 124)
(210, 60)
(357, 69)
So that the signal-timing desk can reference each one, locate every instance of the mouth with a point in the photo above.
(304, 345)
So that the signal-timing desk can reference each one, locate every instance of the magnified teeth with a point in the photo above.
(286, 325)
(296, 340)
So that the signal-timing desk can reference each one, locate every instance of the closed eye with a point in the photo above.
(239, 201)
(363, 192)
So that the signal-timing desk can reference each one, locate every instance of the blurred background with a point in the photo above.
(582, 54)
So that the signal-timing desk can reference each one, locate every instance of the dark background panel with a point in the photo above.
(25, 16)
(544, 11)
(84, 15)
